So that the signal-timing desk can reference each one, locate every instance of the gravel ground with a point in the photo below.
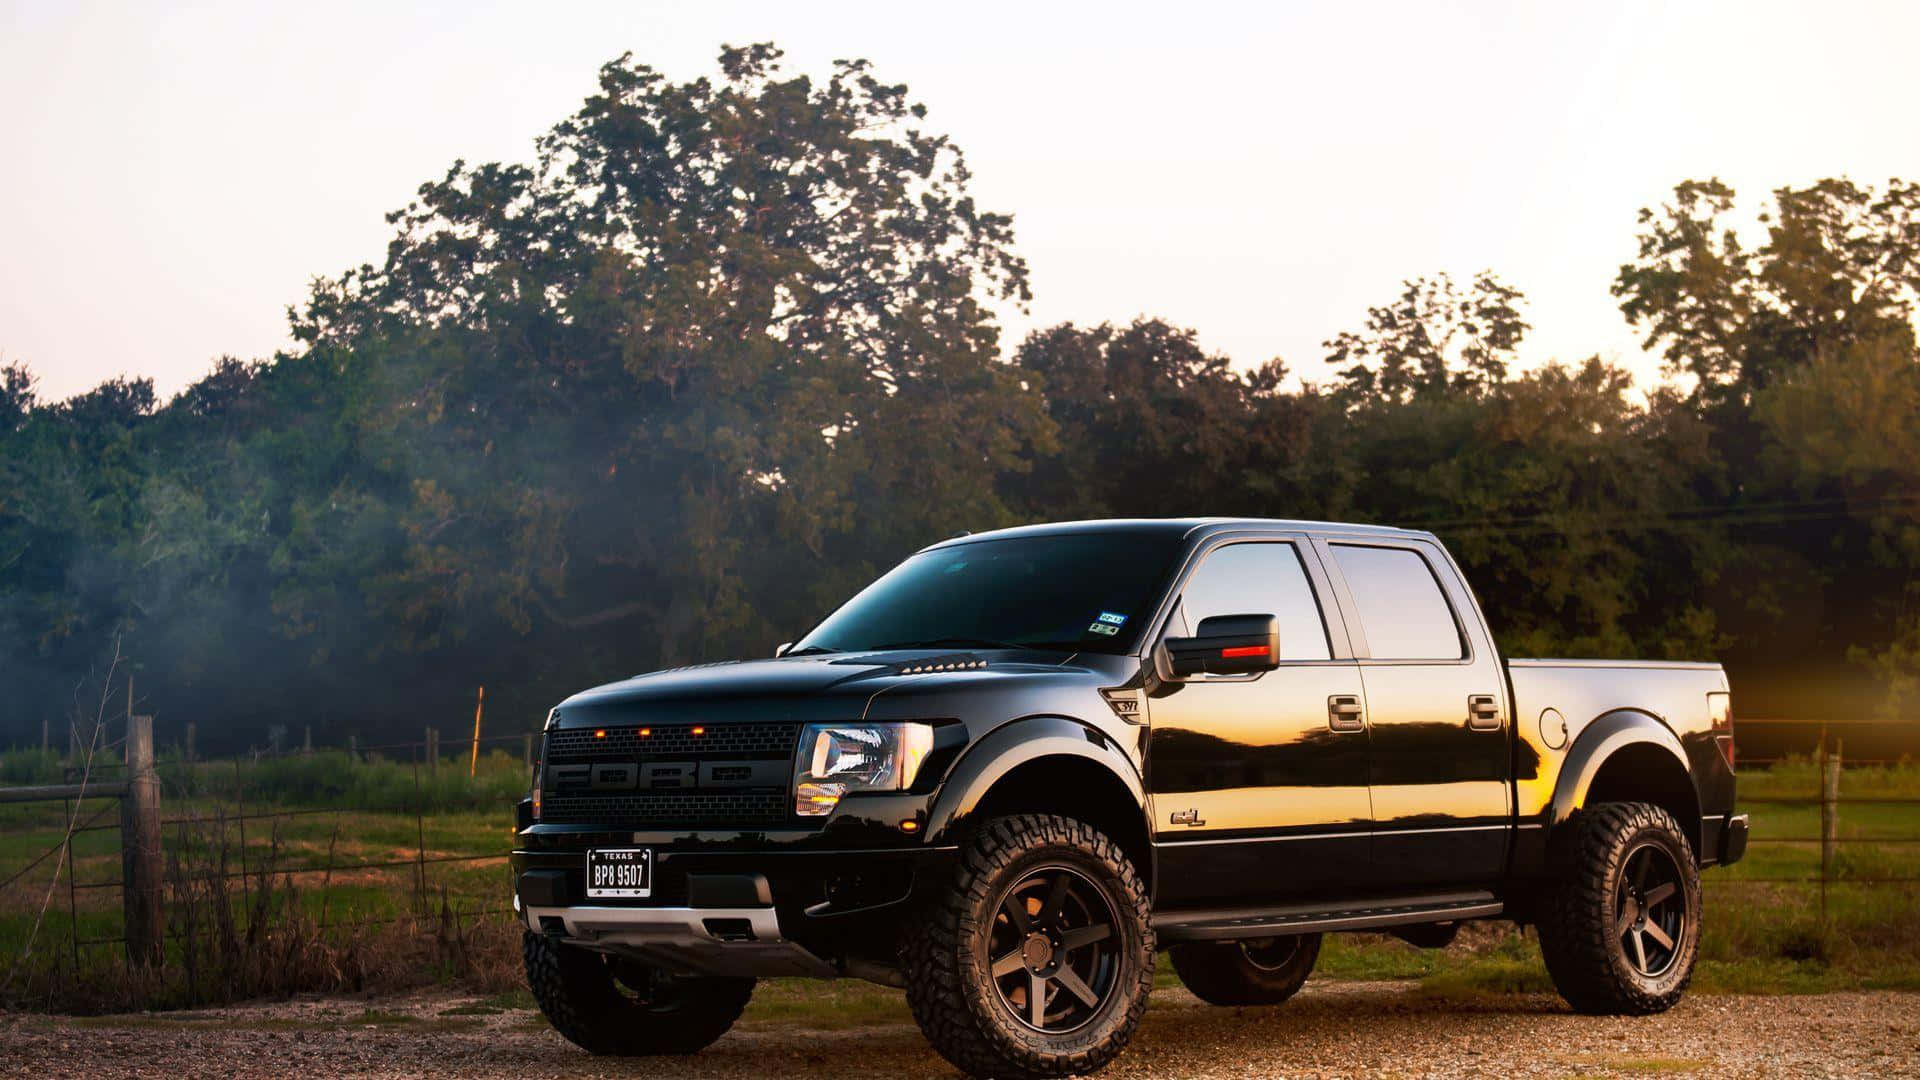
(1331, 1029)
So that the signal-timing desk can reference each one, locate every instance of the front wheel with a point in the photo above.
(1620, 924)
(612, 1005)
(1264, 971)
(1040, 959)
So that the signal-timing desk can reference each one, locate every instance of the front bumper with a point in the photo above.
(728, 905)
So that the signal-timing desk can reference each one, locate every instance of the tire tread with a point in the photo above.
(1576, 935)
(937, 987)
(576, 994)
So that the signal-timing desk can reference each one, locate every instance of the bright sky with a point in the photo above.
(172, 175)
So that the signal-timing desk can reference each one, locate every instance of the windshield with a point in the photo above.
(1074, 592)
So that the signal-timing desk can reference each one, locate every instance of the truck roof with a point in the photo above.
(1181, 526)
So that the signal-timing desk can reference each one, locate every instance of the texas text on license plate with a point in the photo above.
(620, 872)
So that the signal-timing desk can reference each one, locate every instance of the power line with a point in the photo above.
(1754, 513)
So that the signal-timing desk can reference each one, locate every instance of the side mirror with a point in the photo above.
(780, 650)
(1227, 645)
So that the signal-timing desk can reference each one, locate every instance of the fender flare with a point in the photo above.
(1609, 734)
(1020, 742)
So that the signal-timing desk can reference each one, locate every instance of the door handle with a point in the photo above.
(1483, 712)
(1344, 713)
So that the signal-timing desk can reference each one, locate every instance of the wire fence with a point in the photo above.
(1831, 800)
(215, 801)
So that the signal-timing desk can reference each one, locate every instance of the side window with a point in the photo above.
(1402, 610)
(1259, 579)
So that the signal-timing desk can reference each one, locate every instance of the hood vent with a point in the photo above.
(941, 663)
(686, 667)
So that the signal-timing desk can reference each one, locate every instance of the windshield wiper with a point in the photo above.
(811, 650)
(951, 643)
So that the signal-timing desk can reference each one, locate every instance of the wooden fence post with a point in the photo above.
(46, 733)
(353, 748)
(526, 750)
(191, 729)
(433, 750)
(140, 848)
(306, 740)
(420, 842)
(473, 760)
(1829, 816)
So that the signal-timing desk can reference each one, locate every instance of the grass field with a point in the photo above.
(385, 874)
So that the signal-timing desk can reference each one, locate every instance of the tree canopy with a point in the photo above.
(726, 348)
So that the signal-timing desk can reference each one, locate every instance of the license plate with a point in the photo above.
(613, 872)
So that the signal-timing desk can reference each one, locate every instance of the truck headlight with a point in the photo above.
(838, 759)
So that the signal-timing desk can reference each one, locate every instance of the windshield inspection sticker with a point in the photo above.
(1108, 623)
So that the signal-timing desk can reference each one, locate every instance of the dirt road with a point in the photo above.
(1332, 1029)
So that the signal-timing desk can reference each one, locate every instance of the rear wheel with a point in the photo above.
(1039, 961)
(613, 1005)
(1263, 971)
(1620, 925)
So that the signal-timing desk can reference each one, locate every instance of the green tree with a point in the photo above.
(1840, 268)
(1149, 423)
(1802, 358)
(1434, 340)
(70, 476)
(701, 329)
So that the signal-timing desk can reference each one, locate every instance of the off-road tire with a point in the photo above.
(577, 990)
(1265, 972)
(949, 985)
(1579, 914)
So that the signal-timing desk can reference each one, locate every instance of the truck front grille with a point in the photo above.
(675, 742)
(670, 775)
(643, 810)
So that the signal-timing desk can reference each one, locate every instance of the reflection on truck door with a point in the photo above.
(1436, 705)
(1277, 798)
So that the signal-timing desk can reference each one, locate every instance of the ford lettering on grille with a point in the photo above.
(665, 775)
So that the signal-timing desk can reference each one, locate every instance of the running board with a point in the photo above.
(1219, 925)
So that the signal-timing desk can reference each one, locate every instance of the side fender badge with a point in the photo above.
(1186, 817)
(1125, 704)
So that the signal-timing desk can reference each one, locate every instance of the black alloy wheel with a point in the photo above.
(1620, 917)
(1650, 912)
(1271, 954)
(1256, 971)
(1038, 961)
(1052, 953)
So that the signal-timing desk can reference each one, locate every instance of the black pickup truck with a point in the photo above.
(1012, 768)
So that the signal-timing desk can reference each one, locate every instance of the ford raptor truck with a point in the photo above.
(1011, 769)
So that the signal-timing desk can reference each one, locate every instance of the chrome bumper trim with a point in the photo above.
(699, 941)
(642, 925)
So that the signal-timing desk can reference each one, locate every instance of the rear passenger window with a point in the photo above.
(1402, 611)
(1259, 579)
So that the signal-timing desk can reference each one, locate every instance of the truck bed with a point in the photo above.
(1556, 699)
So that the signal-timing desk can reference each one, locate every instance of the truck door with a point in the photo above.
(1259, 782)
(1437, 711)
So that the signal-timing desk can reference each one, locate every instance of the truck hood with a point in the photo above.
(825, 688)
